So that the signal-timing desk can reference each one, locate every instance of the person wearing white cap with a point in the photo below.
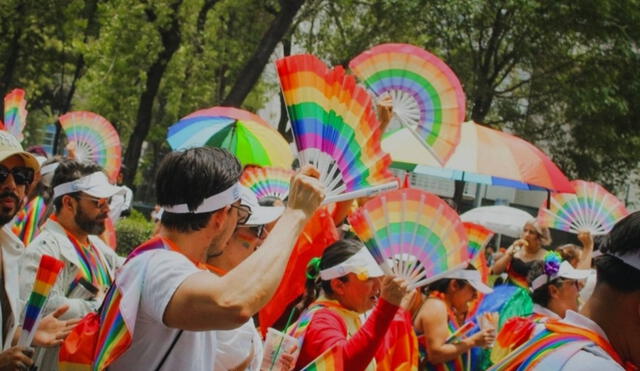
(341, 286)
(175, 303)
(438, 318)
(605, 334)
(81, 193)
(17, 169)
(241, 348)
(555, 286)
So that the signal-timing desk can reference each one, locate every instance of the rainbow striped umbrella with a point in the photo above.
(484, 156)
(242, 133)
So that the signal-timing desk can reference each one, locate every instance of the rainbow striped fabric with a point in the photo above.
(46, 277)
(28, 220)
(330, 360)
(93, 267)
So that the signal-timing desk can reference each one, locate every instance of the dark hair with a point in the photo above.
(189, 177)
(569, 252)
(68, 171)
(623, 238)
(442, 285)
(333, 255)
(541, 294)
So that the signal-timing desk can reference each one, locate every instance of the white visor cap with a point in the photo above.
(360, 263)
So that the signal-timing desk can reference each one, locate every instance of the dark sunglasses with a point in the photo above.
(99, 203)
(21, 175)
(244, 213)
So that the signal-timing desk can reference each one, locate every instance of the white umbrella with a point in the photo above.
(500, 219)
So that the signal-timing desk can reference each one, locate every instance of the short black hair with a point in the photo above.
(622, 239)
(190, 176)
(68, 171)
(540, 295)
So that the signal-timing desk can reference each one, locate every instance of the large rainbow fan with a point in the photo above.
(334, 125)
(427, 95)
(95, 139)
(267, 181)
(413, 234)
(591, 208)
(15, 113)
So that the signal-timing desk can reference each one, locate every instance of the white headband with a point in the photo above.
(360, 262)
(631, 258)
(212, 203)
(566, 270)
(97, 179)
(49, 168)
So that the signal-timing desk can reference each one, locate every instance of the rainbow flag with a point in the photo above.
(330, 360)
(116, 320)
(28, 220)
(46, 277)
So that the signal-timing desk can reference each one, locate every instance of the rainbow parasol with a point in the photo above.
(334, 124)
(591, 208)
(427, 96)
(418, 232)
(46, 277)
(15, 113)
(242, 133)
(267, 181)
(95, 140)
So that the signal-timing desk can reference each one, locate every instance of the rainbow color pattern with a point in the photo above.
(331, 360)
(478, 237)
(267, 181)
(15, 113)
(28, 220)
(46, 277)
(421, 235)
(591, 208)
(334, 124)
(95, 138)
(427, 95)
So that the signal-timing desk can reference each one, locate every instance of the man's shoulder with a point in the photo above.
(591, 358)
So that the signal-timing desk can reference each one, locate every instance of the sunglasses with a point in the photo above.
(99, 203)
(244, 213)
(21, 175)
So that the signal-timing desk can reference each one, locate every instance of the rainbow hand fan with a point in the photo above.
(427, 95)
(591, 208)
(15, 113)
(95, 139)
(334, 125)
(478, 237)
(267, 181)
(413, 231)
(46, 277)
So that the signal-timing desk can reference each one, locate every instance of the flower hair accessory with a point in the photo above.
(552, 262)
(313, 268)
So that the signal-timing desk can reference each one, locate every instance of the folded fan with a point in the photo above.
(95, 140)
(46, 277)
(427, 95)
(591, 208)
(413, 234)
(334, 124)
(267, 181)
(15, 113)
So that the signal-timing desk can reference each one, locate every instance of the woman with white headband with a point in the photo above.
(341, 286)
(439, 318)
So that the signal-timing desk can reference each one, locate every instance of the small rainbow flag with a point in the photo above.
(28, 220)
(46, 277)
(330, 360)
(15, 113)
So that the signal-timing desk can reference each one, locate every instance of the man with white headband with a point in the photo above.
(171, 301)
(605, 335)
(81, 193)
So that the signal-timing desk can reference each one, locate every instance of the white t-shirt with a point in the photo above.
(234, 346)
(194, 350)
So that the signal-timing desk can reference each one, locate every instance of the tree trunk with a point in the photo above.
(170, 36)
(11, 59)
(252, 70)
(284, 117)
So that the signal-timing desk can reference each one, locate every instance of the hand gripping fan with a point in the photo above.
(15, 113)
(413, 234)
(591, 208)
(427, 95)
(267, 181)
(334, 126)
(95, 139)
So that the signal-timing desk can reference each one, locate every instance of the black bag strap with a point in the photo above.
(175, 340)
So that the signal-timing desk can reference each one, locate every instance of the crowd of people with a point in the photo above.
(187, 298)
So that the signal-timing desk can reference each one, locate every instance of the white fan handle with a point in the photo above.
(365, 192)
